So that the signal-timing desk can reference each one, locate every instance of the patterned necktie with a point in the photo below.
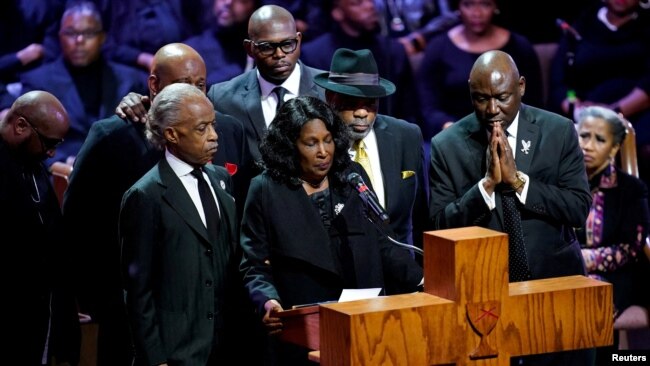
(279, 93)
(362, 158)
(209, 206)
(518, 262)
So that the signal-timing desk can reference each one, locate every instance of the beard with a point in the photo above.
(359, 135)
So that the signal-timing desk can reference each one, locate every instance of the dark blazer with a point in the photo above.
(558, 194)
(282, 227)
(177, 280)
(401, 158)
(117, 81)
(114, 156)
(36, 265)
(240, 97)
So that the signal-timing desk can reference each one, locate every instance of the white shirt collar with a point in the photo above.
(292, 84)
(179, 167)
(514, 127)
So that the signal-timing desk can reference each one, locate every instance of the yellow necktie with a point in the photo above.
(362, 158)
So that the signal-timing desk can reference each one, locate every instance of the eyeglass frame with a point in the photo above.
(47, 143)
(87, 34)
(276, 45)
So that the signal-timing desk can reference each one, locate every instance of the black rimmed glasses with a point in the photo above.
(73, 34)
(268, 48)
(47, 143)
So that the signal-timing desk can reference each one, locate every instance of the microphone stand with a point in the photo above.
(379, 224)
(569, 56)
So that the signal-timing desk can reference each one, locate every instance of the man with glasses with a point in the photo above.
(88, 86)
(43, 318)
(254, 96)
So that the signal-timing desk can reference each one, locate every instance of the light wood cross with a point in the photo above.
(468, 313)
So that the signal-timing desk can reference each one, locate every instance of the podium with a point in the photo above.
(468, 313)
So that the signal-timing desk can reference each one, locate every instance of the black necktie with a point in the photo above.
(279, 93)
(209, 206)
(518, 262)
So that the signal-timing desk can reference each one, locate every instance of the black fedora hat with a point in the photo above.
(355, 73)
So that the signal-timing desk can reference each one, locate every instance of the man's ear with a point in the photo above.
(153, 84)
(170, 135)
(248, 46)
(522, 85)
(21, 126)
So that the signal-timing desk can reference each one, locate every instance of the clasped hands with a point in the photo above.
(501, 167)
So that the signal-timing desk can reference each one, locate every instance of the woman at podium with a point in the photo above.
(305, 235)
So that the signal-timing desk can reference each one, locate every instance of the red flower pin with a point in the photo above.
(231, 168)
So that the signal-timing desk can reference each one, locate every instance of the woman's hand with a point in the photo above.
(272, 324)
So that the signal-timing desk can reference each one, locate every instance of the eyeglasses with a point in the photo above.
(47, 143)
(87, 34)
(268, 48)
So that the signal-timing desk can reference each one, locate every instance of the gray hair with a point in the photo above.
(166, 110)
(614, 121)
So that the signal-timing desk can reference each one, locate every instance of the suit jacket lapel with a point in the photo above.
(225, 202)
(109, 90)
(307, 85)
(177, 197)
(477, 143)
(71, 98)
(252, 97)
(527, 136)
(388, 161)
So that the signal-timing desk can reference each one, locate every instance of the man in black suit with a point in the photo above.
(41, 319)
(180, 239)
(274, 44)
(506, 151)
(393, 146)
(115, 155)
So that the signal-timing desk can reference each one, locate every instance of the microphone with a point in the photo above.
(370, 201)
(568, 29)
(368, 197)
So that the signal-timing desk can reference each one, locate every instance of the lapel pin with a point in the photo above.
(525, 146)
(222, 184)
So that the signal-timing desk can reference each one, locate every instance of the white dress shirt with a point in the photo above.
(270, 99)
(183, 170)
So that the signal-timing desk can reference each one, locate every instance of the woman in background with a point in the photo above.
(449, 57)
(612, 239)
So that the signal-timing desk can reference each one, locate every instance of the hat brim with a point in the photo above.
(385, 87)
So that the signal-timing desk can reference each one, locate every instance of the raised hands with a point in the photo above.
(501, 167)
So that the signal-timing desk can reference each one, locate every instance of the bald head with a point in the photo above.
(35, 122)
(497, 62)
(269, 18)
(496, 89)
(273, 43)
(177, 63)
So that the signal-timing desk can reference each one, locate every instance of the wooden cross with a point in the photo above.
(468, 313)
